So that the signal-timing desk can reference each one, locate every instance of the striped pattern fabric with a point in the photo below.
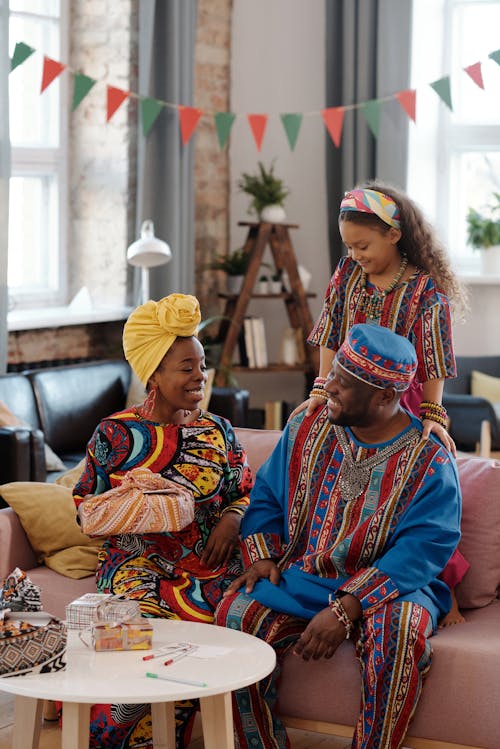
(372, 201)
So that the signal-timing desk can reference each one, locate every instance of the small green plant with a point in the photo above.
(264, 188)
(483, 230)
(234, 264)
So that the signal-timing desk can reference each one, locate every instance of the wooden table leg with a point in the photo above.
(27, 722)
(75, 725)
(217, 721)
(163, 718)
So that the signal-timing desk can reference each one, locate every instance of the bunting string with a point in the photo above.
(189, 117)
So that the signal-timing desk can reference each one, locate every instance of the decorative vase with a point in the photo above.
(234, 284)
(274, 214)
(262, 287)
(490, 261)
(274, 287)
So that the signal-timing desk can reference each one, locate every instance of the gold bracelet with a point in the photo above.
(318, 393)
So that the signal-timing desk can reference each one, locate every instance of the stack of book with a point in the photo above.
(252, 343)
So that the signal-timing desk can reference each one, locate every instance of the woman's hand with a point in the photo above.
(264, 568)
(311, 404)
(441, 433)
(222, 540)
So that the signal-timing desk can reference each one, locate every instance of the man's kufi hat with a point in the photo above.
(378, 357)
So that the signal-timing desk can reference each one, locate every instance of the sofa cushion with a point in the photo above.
(480, 542)
(48, 516)
(485, 386)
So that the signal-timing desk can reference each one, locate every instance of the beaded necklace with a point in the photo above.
(371, 304)
(355, 474)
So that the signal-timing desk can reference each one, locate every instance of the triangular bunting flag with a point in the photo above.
(81, 86)
(21, 53)
(258, 124)
(408, 100)
(150, 109)
(292, 122)
(443, 90)
(371, 111)
(114, 97)
(223, 124)
(475, 73)
(495, 56)
(188, 118)
(51, 69)
(333, 117)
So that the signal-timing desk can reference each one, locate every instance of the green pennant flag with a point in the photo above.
(443, 90)
(495, 56)
(150, 109)
(292, 122)
(371, 111)
(81, 86)
(223, 124)
(21, 53)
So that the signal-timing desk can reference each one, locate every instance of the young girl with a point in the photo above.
(397, 275)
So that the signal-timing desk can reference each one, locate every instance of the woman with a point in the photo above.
(178, 575)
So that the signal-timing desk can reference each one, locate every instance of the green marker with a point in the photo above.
(177, 681)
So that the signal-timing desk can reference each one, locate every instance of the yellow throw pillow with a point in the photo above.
(48, 515)
(485, 386)
(71, 476)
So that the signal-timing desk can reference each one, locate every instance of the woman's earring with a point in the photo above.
(149, 403)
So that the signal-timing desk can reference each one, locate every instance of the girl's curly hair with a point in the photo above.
(418, 241)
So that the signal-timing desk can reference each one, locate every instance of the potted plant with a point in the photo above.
(483, 233)
(268, 194)
(275, 283)
(235, 265)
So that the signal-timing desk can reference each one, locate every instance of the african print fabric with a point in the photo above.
(415, 309)
(163, 570)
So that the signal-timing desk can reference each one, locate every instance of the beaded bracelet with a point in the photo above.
(319, 381)
(434, 412)
(318, 392)
(338, 609)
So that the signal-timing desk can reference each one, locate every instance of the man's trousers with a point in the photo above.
(394, 653)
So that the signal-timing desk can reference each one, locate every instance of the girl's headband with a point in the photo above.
(372, 201)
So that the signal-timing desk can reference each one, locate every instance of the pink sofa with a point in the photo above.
(460, 704)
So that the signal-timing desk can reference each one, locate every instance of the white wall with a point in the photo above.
(480, 333)
(278, 66)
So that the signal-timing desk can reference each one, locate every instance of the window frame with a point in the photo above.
(52, 161)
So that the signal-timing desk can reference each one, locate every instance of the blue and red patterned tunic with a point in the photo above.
(389, 543)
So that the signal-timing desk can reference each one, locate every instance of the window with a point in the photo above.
(38, 133)
(454, 156)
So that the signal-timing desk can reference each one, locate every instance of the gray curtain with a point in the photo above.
(368, 46)
(4, 176)
(167, 31)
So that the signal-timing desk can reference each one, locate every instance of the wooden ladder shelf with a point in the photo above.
(259, 236)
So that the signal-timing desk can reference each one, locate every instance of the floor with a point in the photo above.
(51, 735)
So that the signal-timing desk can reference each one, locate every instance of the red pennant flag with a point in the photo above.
(333, 118)
(188, 117)
(408, 100)
(51, 69)
(475, 73)
(258, 124)
(114, 97)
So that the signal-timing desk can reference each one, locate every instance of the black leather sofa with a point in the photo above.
(63, 405)
(467, 412)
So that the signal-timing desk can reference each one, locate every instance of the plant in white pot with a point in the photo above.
(268, 194)
(483, 233)
(235, 265)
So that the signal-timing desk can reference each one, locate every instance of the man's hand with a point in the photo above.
(222, 540)
(264, 568)
(325, 632)
(321, 637)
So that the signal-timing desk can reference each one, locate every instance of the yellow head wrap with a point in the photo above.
(152, 328)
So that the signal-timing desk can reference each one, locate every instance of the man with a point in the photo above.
(351, 520)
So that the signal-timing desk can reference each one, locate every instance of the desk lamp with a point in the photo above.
(148, 252)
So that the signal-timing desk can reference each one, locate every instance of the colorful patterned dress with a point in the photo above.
(164, 570)
(415, 309)
(386, 546)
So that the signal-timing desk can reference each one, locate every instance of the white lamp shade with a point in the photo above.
(148, 251)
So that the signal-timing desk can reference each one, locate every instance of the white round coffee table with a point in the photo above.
(229, 660)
